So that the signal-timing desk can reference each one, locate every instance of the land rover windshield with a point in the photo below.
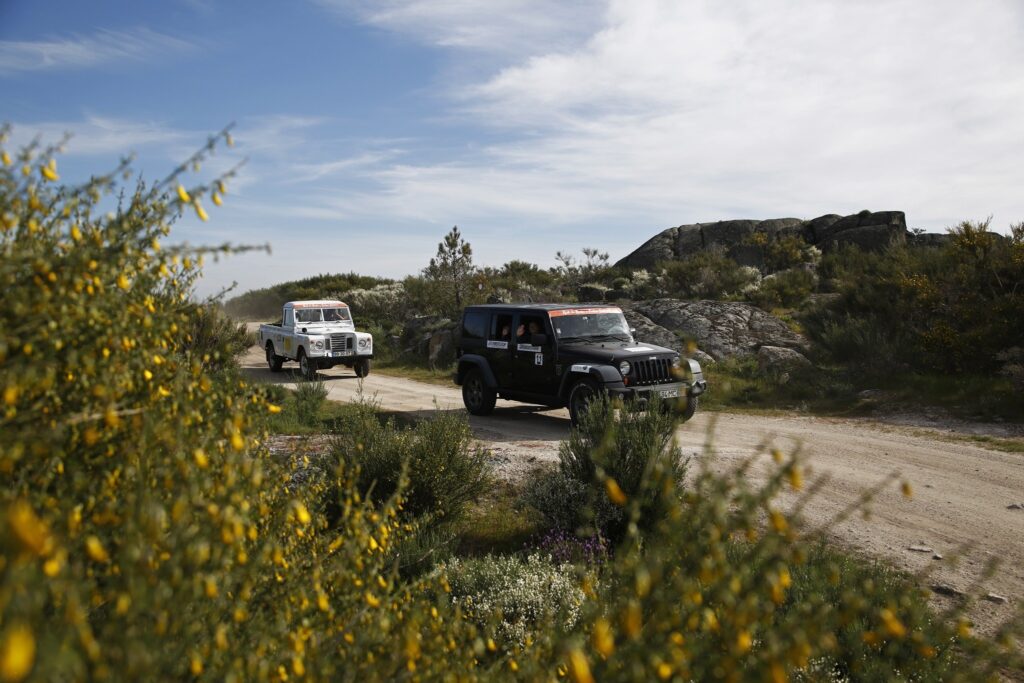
(596, 323)
(327, 314)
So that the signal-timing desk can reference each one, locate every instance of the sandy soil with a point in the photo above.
(961, 490)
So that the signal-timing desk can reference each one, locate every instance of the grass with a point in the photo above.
(289, 422)
(498, 523)
(736, 384)
(419, 373)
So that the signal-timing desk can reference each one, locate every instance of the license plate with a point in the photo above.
(669, 393)
(346, 353)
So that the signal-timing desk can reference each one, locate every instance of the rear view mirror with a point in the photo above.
(539, 339)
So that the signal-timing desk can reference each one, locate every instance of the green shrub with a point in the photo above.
(602, 467)
(708, 274)
(785, 289)
(445, 471)
(309, 397)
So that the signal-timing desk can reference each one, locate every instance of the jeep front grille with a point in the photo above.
(341, 342)
(657, 371)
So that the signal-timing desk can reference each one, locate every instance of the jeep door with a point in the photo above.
(533, 365)
(498, 351)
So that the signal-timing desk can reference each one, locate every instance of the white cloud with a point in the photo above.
(513, 26)
(77, 52)
(702, 110)
(103, 135)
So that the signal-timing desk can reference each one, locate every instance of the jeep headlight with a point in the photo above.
(675, 362)
(318, 344)
(624, 367)
(364, 343)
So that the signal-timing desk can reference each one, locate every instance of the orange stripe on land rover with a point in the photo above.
(583, 311)
(321, 304)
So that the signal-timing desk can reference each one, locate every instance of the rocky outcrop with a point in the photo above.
(649, 331)
(743, 240)
(432, 338)
(722, 329)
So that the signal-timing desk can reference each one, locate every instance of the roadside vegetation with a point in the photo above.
(147, 531)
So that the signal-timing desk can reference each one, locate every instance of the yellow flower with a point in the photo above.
(29, 529)
(5, 158)
(579, 669)
(183, 195)
(796, 478)
(11, 395)
(302, 514)
(893, 625)
(372, 600)
(76, 234)
(664, 671)
(615, 493)
(237, 442)
(271, 408)
(743, 641)
(779, 522)
(122, 281)
(602, 639)
(96, 550)
(201, 212)
(202, 460)
(217, 199)
(17, 653)
(50, 171)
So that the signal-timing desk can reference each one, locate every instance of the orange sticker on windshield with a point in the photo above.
(583, 311)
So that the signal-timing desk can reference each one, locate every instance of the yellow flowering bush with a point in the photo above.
(145, 531)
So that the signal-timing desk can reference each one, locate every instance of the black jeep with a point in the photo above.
(563, 355)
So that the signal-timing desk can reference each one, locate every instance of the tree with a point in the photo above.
(451, 273)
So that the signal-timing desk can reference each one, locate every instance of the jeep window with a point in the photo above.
(594, 324)
(502, 328)
(336, 314)
(474, 325)
(307, 315)
(529, 325)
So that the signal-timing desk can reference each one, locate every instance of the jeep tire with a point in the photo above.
(478, 397)
(580, 395)
(684, 414)
(307, 367)
(362, 367)
(274, 361)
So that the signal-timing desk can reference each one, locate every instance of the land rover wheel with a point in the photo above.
(362, 367)
(307, 367)
(478, 397)
(274, 361)
(580, 396)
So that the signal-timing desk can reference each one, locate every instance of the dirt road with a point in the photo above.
(961, 491)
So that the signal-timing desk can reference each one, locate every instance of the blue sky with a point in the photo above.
(371, 127)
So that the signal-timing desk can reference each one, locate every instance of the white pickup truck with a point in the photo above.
(317, 334)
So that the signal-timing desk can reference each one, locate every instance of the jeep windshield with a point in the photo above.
(590, 324)
(314, 315)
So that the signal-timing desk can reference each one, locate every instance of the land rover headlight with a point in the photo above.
(624, 367)
(364, 343)
(318, 344)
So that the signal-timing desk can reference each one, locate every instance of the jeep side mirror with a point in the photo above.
(538, 339)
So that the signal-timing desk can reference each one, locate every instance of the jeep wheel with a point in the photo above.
(478, 397)
(306, 367)
(673, 406)
(274, 361)
(580, 396)
(362, 367)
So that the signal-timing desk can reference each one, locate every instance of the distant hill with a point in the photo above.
(265, 304)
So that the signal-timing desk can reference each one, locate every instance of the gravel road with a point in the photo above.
(960, 505)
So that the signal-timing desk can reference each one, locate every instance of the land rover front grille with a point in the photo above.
(657, 371)
(341, 342)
